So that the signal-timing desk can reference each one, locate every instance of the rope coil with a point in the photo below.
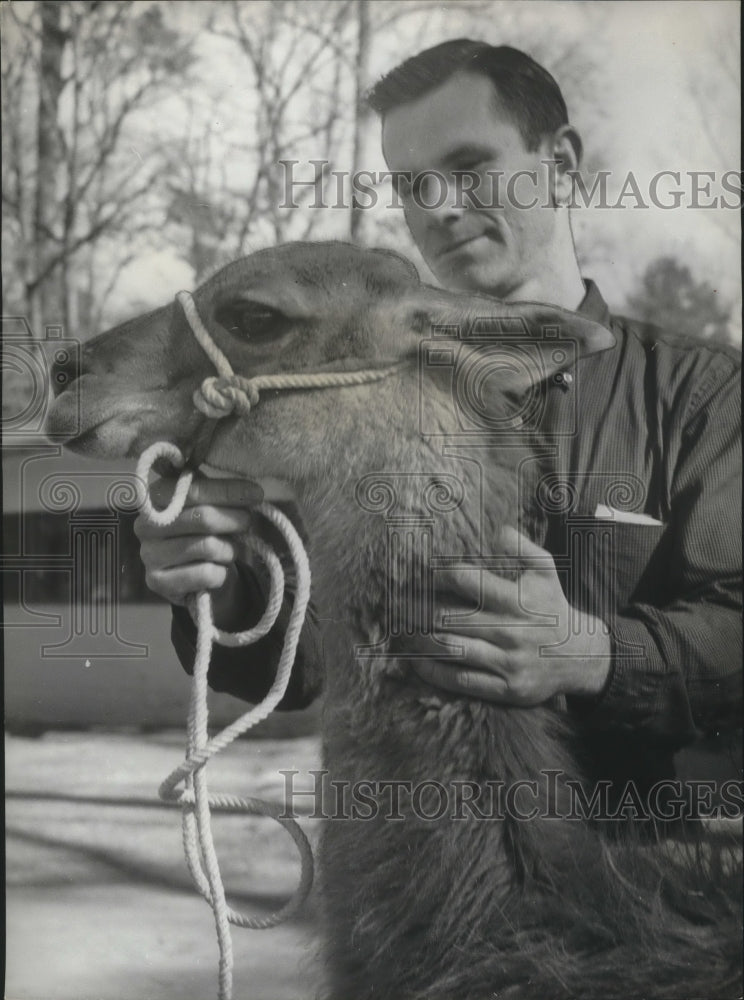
(217, 397)
(194, 796)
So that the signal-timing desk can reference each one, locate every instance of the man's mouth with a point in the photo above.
(462, 244)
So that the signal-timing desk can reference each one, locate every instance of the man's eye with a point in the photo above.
(251, 320)
(402, 184)
(478, 166)
(420, 188)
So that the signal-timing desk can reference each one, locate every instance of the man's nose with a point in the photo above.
(440, 196)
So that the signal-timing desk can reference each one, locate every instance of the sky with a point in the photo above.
(656, 93)
(658, 50)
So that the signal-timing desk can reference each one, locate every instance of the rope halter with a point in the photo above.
(220, 396)
(226, 393)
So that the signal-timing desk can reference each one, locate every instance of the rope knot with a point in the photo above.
(220, 395)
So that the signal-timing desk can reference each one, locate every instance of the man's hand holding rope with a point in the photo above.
(197, 551)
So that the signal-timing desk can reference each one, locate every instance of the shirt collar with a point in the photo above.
(593, 305)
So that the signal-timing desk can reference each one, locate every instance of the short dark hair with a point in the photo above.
(528, 93)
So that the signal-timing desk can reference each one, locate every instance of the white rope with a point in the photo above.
(194, 797)
(216, 398)
(202, 334)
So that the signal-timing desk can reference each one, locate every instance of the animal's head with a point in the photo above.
(296, 308)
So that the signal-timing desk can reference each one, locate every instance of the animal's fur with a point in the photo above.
(456, 907)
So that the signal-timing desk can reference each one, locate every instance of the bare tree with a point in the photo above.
(297, 59)
(362, 111)
(74, 177)
(714, 92)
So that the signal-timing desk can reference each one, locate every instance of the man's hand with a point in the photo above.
(196, 552)
(502, 641)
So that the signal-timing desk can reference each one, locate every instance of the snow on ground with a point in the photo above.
(99, 903)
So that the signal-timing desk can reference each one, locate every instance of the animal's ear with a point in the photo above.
(402, 265)
(528, 342)
(478, 316)
(543, 341)
(517, 345)
(548, 323)
(426, 307)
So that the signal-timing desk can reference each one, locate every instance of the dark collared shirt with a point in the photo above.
(648, 472)
(644, 443)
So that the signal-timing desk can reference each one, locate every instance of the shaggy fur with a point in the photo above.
(418, 909)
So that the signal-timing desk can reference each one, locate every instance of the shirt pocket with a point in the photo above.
(613, 564)
(637, 563)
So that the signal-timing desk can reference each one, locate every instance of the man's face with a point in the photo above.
(497, 249)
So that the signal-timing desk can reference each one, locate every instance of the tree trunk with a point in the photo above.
(48, 296)
(363, 113)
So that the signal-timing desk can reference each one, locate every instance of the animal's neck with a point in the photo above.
(370, 531)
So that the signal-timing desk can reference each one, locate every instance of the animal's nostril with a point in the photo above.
(64, 367)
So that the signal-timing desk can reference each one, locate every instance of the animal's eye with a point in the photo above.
(251, 320)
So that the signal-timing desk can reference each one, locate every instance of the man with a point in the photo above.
(644, 436)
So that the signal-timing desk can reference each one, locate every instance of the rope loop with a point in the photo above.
(193, 795)
(162, 449)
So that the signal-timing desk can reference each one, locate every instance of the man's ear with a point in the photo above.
(566, 150)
